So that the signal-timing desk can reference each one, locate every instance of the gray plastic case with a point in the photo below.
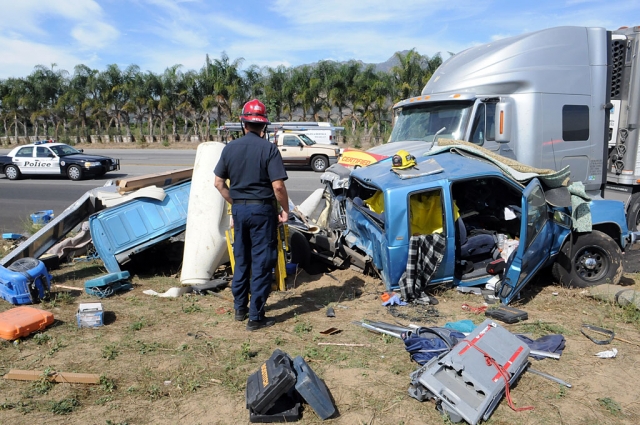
(467, 387)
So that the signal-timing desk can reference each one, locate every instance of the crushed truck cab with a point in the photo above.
(483, 213)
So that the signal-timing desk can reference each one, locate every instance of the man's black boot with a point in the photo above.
(254, 325)
(241, 314)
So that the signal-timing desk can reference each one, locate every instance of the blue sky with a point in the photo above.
(156, 34)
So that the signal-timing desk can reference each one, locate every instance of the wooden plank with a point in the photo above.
(72, 288)
(68, 377)
(159, 179)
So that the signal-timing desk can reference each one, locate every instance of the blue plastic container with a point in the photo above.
(313, 389)
(26, 281)
(42, 217)
(291, 268)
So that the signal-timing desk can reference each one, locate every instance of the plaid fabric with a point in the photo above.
(425, 254)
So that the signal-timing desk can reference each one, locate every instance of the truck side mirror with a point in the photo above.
(562, 219)
(503, 122)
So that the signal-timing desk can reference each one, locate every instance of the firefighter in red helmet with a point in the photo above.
(256, 177)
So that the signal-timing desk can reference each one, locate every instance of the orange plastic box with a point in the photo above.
(22, 321)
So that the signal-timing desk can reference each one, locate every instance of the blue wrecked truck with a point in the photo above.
(481, 212)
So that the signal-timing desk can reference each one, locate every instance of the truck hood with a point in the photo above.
(414, 147)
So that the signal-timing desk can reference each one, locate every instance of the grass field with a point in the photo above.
(185, 360)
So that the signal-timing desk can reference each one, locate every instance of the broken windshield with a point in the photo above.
(425, 122)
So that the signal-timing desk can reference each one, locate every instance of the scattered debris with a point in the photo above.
(42, 217)
(331, 312)
(331, 331)
(107, 285)
(608, 354)
(158, 179)
(67, 377)
(169, 293)
(22, 321)
(507, 314)
(475, 359)
(340, 344)
(90, 315)
(26, 281)
(549, 377)
(586, 328)
(474, 310)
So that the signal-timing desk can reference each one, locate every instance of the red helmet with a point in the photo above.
(254, 111)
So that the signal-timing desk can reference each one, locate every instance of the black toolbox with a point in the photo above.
(267, 385)
(286, 409)
(507, 314)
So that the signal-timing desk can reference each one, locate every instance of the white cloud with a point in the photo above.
(19, 57)
(334, 11)
(95, 35)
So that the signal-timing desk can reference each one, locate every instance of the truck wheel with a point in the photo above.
(300, 250)
(594, 259)
(12, 172)
(319, 163)
(74, 172)
(633, 213)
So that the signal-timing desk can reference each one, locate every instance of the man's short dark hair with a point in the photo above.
(254, 126)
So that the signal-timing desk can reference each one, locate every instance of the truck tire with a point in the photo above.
(12, 172)
(74, 172)
(319, 163)
(633, 213)
(593, 259)
(300, 250)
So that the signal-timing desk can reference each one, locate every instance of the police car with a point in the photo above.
(47, 157)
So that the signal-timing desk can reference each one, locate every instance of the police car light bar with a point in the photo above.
(42, 142)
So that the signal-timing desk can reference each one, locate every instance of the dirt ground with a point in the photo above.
(185, 360)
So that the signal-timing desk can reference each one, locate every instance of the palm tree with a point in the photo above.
(340, 85)
(172, 84)
(290, 93)
(274, 89)
(409, 72)
(78, 96)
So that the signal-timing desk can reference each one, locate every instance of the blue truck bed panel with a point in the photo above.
(134, 226)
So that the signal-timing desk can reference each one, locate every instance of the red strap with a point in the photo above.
(475, 310)
(502, 372)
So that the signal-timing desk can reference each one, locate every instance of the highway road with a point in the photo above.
(20, 198)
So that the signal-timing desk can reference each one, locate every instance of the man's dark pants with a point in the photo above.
(255, 253)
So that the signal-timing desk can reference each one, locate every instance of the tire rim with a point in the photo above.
(74, 173)
(319, 164)
(11, 173)
(591, 264)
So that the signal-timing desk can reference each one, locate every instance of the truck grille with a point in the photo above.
(618, 51)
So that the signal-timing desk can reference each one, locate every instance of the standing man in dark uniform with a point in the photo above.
(256, 174)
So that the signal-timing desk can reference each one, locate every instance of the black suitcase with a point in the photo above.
(272, 381)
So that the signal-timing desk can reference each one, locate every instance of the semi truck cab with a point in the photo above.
(551, 98)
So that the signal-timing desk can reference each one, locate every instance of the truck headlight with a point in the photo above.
(91, 164)
(337, 151)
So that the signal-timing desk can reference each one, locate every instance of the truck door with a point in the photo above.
(536, 240)
(292, 150)
(482, 131)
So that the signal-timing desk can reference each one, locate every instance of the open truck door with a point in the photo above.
(536, 233)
